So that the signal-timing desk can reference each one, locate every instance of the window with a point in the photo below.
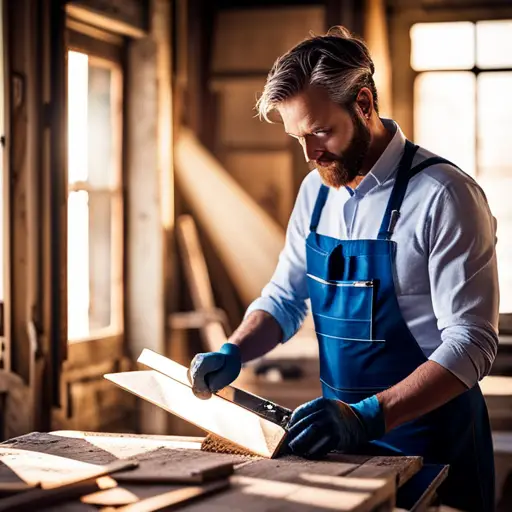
(464, 79)
(95, 216)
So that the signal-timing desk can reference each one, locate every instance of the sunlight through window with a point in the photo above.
(442, 46)
(449, 97)
(94, 198)
(78, 210)
(464, 115)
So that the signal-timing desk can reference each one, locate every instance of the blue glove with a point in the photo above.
(212, 371)
(322, 425)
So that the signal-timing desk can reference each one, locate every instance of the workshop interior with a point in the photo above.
(144, 207)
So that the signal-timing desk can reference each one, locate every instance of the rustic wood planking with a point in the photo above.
(287, 483)
(376, 466)
(50, 471)
(172, 498)
(167, 466)
(151, 452)
(129, 445)
(292, 484)
(216, 415)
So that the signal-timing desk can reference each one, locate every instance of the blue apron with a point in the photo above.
(366, 347)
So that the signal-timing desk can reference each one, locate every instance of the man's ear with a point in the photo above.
(364, 101)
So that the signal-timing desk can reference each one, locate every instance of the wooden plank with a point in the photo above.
(51, 471)
(201, 177)
(295, 484)
(169, 466)
(216, 415)
(40, 498)
(145, 242)
(129, 445)
(286, 469)
(309, 492)
(115, 497)
(198, 280)
(125, 17)
(400, 468)
(418, 493)
(173, 498)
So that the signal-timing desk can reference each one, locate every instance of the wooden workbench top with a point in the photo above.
(359, 483)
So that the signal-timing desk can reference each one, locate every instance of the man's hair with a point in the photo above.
(338, 61)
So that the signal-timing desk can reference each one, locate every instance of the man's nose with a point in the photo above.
(311, 148)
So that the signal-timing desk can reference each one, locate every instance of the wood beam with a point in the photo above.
(125, 17)
(150, 190)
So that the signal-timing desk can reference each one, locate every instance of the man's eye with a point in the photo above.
(321, 132)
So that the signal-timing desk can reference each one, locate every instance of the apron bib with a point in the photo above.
(366, 347)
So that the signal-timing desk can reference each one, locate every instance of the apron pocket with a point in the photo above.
(351, 363)
(341, 304)
(344, 329)
(349, 395)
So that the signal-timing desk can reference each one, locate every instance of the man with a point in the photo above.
(395, 248)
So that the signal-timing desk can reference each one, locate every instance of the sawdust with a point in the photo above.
(213, 443)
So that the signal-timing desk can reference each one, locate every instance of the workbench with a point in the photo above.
(361, 483)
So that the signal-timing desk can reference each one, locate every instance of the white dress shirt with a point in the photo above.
(446, 277)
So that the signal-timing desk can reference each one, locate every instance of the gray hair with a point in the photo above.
(337, 61)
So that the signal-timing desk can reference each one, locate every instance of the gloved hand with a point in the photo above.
(212, 371)
(322, 425)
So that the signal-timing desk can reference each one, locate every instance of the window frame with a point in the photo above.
(108, 50)
(404, 76)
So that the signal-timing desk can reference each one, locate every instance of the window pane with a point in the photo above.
(444, 116)
(442, 46)
(101, 165)
(100, 258)
(494, 114)
(78, 71)
(94, 213)
(494, 44)
(78, 265)
(499, 192)
(495, 167)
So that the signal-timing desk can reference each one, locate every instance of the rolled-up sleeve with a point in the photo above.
(461, 234)
(285, 296)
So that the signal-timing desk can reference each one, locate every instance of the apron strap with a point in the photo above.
(398, 193)
(317, 212)
(430, 161)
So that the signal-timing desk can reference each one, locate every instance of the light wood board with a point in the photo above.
(48, 471)
(171, 498)
(216, 415)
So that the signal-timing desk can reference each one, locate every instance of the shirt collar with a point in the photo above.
(388, 161)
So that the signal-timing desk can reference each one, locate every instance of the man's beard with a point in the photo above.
(339, 170)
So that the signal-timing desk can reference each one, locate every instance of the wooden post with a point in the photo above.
(150, 207)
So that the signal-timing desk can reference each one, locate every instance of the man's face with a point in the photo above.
(334, 140)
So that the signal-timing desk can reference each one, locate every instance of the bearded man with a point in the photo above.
(395, 248)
